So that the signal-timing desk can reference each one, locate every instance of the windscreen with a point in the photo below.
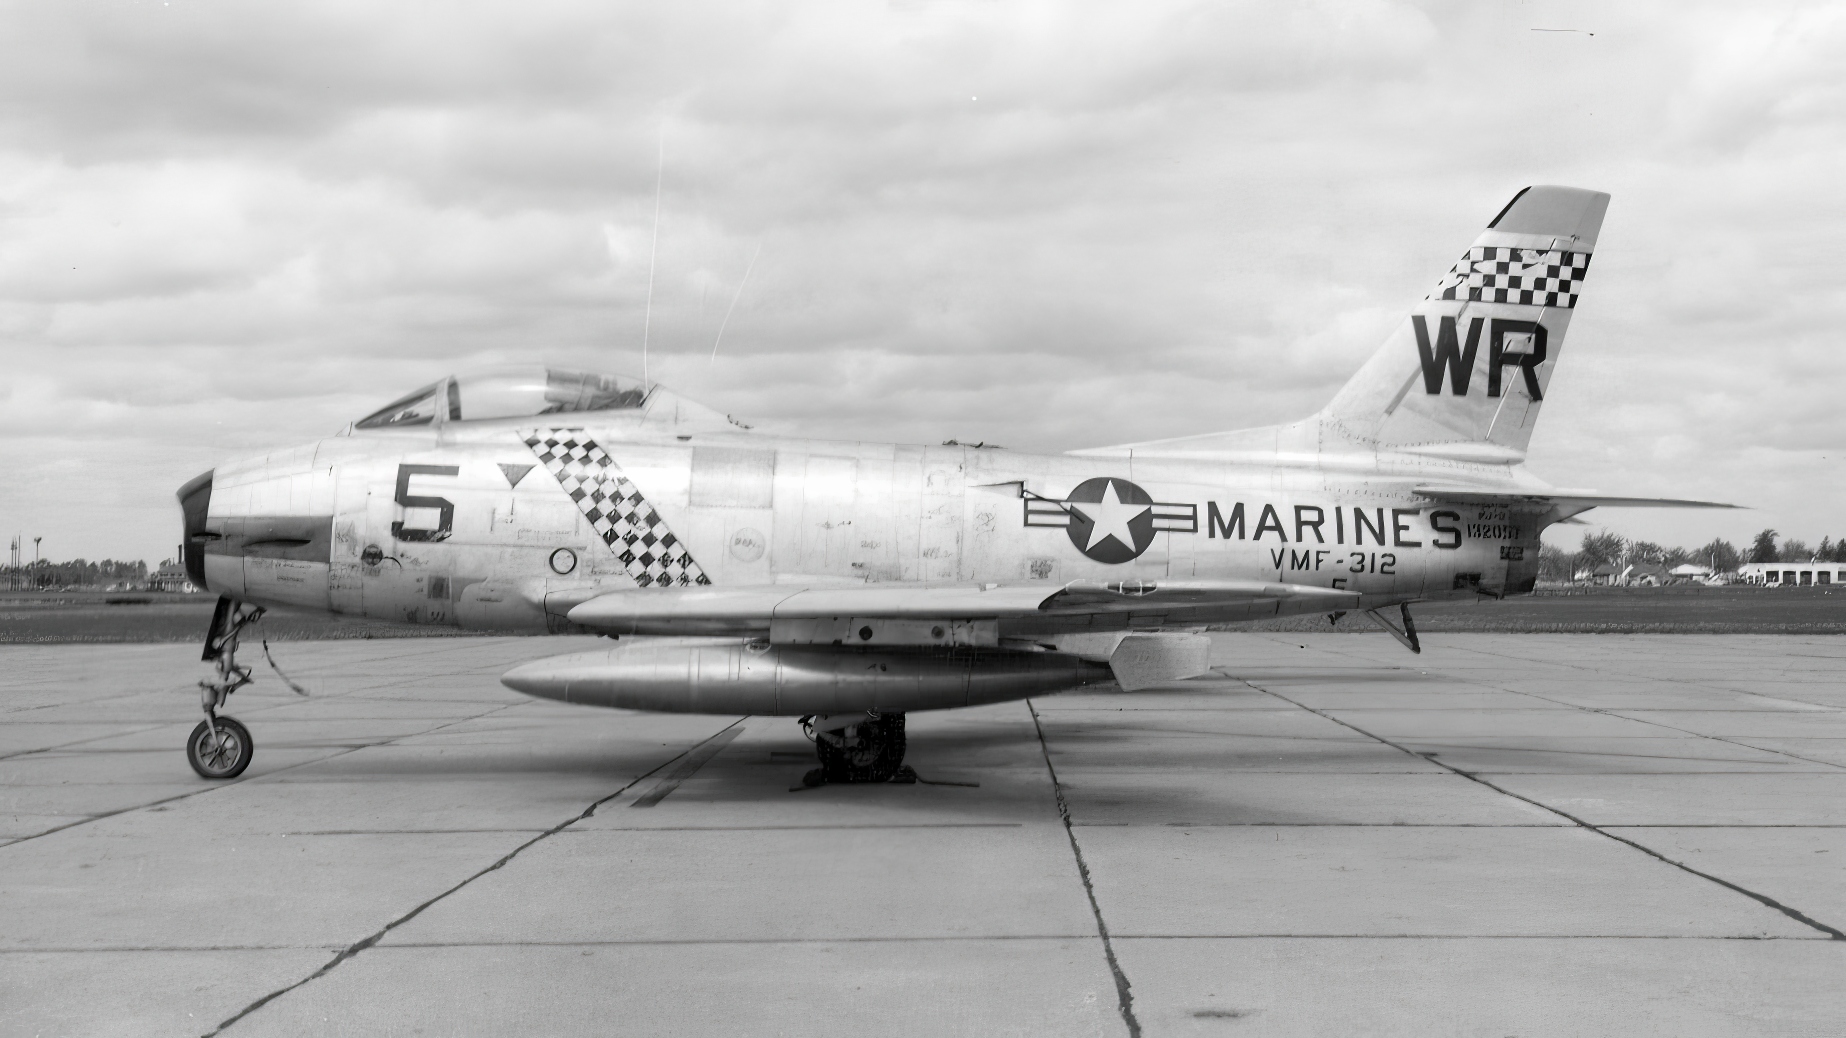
(419, 408)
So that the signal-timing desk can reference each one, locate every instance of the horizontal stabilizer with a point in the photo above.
(1566, 499)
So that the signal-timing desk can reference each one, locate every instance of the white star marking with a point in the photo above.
(1109, 518)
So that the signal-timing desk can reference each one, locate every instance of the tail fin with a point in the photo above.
(1465, 375)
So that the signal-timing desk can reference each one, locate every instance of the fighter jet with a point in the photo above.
(847, 583)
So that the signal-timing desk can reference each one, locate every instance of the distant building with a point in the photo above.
(1648, 574)
(1792, 574)
(1602, 573)
(171, 576)
(1639, 574)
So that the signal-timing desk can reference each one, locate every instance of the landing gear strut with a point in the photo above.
(1407, 636)
(858, 748)
(220, 747)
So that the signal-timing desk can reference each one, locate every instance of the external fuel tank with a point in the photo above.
(709, 676)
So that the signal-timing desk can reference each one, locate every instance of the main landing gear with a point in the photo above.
(220, 747)
(866, 747)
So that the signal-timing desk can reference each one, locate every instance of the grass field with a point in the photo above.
(151, 617)
(88, 616)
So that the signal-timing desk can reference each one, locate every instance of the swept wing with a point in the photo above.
(1026, 607)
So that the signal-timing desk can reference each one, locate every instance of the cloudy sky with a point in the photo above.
(226, 226)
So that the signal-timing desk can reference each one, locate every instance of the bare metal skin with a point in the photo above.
(556, 501)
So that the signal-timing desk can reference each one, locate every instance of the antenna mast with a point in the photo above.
(647, 320)
(734, 299)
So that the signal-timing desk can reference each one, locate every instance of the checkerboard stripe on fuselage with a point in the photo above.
(615, 508)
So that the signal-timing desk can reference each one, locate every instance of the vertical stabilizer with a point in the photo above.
(1466, 373)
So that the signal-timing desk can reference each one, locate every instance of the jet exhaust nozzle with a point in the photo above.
(776, 680)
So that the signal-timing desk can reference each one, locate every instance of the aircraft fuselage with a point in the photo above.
(483, 526)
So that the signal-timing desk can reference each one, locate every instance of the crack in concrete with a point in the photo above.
(718, 942)
(1125, 999)
(1644, 677)
(165, 949)
(1469, 825)
(254, 708)
(1621, 715)
(1463, 937)
(1762, 899)
(232, 783)
(79, 742)
(1609, 712)
(800, 828)
(180, 949)
(354, 949)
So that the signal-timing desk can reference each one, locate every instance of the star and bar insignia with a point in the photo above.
(1111, 520)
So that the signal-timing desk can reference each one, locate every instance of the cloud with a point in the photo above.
(224, 226)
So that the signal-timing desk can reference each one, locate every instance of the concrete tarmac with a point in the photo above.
(1530, 835)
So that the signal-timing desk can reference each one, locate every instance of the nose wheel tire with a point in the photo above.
(220, 754)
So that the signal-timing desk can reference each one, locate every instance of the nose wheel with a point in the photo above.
(220, 747)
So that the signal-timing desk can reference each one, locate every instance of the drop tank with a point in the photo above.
(730, 677)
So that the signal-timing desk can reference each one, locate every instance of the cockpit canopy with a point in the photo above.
(513, 393)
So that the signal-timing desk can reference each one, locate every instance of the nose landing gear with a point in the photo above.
(220, 747)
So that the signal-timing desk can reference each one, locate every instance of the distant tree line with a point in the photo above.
(1764, 549)
(78, 573)
(1612, 549)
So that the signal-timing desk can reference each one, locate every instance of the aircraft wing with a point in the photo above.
(658, 610)
(1569, 500)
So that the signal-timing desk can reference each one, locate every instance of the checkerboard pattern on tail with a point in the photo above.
(1529, 277)
(615, 508)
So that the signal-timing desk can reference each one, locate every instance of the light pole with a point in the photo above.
(35, 574)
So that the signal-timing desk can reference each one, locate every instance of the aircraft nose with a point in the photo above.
(195, 500)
